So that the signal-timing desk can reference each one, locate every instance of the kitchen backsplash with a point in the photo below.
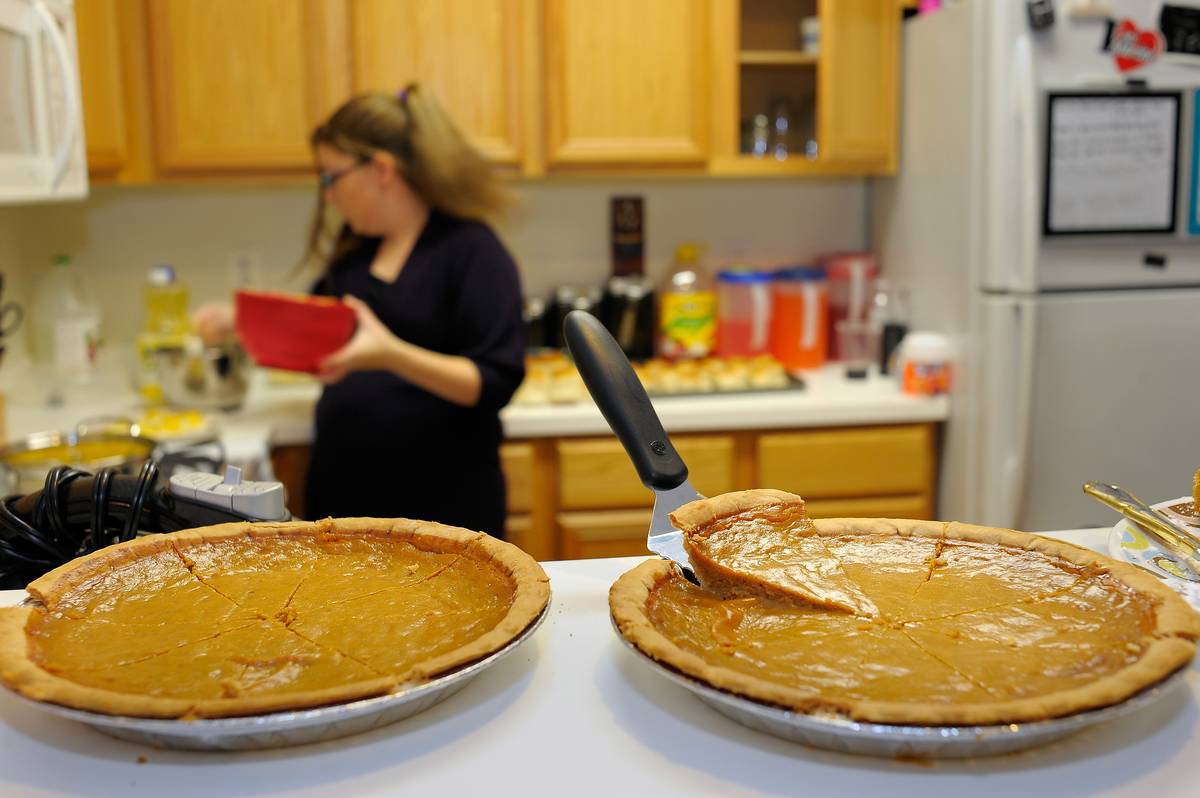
(219, 236)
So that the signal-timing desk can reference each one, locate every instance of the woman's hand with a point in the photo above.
(371, 348)
(214, 322)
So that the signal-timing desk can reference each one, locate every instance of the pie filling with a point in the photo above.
(270, 616)
(900, 622)
(993, 646)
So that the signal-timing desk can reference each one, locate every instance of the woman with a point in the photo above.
(408, 423)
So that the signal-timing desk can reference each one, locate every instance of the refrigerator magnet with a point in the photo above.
(1132, 47)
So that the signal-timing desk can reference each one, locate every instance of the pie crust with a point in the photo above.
(974, 626)
(244, 619)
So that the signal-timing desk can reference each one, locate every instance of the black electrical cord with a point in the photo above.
(146, 479)
(49, 538)
(76, 513)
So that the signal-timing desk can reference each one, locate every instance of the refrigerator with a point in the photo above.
(1043, 215)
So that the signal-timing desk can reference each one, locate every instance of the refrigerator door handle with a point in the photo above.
(1025, 108)
(1016, 458)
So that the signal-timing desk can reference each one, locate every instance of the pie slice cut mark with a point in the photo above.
(775, 553)
(969, 576)
(254, 659)
(832, 655)
(392, 630)
(888, 569)
(1047, 645)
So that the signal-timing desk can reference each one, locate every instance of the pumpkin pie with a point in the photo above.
(243, 619)
(904, 622)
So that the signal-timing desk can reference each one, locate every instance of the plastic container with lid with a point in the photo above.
(850, 276)
(743, 312)
(687, 308)
(799, 313)
(925, 363)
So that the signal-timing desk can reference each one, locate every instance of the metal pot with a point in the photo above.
(210, 377)
(24, 464)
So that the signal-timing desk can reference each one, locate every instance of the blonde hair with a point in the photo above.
(430, 152)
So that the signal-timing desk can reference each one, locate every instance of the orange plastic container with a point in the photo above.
(799, 317)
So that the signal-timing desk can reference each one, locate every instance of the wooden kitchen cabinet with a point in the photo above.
(473, 54)
(626, 83)
(114, 83)
(840, 102)
(97, 34)
(187, 89)
(578, 497)
(597, 473)
(239, 86)
(602, 509)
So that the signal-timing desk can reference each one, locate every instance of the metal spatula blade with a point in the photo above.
(626, 407)
(664, 539)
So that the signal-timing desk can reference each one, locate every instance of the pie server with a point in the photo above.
(1162, 529)
(626, 407)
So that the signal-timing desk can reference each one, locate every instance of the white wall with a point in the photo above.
(558, 234)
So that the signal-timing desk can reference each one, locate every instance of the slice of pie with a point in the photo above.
(242, 619)
(773, 552)
(966, 624)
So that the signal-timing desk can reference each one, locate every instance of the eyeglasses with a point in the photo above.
(327, 179)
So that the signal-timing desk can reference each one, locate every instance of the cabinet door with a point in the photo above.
(858, 80)
(626, 82)
(919, 507)
(857, 461)
(239, 86)
(100, 82)
(469, 52)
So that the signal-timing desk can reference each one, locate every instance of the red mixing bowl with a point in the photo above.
(287, 331)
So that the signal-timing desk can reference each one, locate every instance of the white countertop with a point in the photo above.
(279, 414)
(574, 713)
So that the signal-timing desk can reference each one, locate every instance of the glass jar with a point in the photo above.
(743, 312)
(799, 317)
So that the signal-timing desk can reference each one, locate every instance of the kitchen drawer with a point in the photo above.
(871, 507)
(611, 533)
(596, 473)
(863, 461)
(517, 461)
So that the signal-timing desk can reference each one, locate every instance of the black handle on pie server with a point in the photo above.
(623, 401)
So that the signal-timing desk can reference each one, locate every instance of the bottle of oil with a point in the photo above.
(687, 310)
(167, 327)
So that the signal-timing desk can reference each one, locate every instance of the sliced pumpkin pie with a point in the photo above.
(242, 619)
(961, 624)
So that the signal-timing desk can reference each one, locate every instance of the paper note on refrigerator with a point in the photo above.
(1111, 164)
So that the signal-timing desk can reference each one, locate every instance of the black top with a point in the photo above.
(387, 448)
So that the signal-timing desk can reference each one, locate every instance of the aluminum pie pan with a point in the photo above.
(841, 734)
(296, 727)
